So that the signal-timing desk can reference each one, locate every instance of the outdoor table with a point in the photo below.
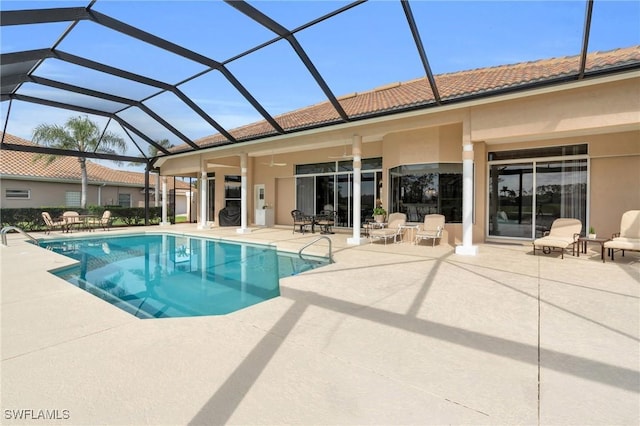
(582, 244)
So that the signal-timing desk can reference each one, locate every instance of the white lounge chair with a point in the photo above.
(564, 233)
(431, 229)
(396, 220)
(629, 236)
(52, 224)
(104, 222)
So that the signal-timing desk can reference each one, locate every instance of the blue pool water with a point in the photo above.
(166, 275)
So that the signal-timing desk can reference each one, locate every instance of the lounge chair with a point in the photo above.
(52, 224)
(629, 236)
(300, 221)
(326, 220)
(104, 222)
(396, 220)
(564, 233)
(431, 229)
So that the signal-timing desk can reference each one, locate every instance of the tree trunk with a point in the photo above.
(84, 181)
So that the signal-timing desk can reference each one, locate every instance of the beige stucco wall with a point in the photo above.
(588, 110)
(615, 179)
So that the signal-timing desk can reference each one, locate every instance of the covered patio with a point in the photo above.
(401, 334)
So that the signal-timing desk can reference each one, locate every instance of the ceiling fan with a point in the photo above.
(344, 155)
(273, 163)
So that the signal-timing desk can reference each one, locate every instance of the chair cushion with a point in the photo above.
(630, 224)
(565, 228)
(623, 243)
(385, 232)
(558, 242)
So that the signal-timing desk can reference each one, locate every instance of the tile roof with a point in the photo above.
(415, 93)
(27, 164)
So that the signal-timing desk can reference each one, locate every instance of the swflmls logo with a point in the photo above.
(30, 414)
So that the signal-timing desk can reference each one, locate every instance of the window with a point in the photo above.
(124, 200)
(232, 191)
(22, 194)
(329, 186)
(421, 189)
(72, 198)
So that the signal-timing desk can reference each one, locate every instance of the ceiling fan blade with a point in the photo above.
(341, 157)
(273, 163)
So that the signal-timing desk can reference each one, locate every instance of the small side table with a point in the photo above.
(582, 244)
(413, 227)
(368, 226)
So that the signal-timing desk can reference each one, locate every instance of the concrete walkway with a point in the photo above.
(395, 334)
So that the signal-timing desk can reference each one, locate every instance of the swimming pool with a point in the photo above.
(167, 275)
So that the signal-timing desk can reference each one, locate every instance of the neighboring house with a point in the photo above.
(26, 181)
(531, 142)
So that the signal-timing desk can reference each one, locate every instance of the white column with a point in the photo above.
(243, 195)
(164, 222)
(467, 247)
(202, 220)
(356, 151)
(189, 196)
(156, 192)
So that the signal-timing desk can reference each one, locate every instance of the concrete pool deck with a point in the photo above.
(395, 334)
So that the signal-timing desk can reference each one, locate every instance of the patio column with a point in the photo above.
(164, 201)
(156, 195)
(356, 151)
(467, 247)
(243, 195)
(202, 219)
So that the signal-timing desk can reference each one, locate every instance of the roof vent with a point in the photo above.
(347, 96)
(387, 86)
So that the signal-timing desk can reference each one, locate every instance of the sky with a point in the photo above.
(367, 46)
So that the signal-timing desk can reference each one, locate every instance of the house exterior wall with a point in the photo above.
(589, 109)
(53, 193)
(603, 113)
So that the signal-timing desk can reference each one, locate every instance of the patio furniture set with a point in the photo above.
(395, 228)
(71, 220)
(565, 234)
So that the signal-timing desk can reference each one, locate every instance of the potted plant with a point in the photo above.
(592, 232)
(379, 214)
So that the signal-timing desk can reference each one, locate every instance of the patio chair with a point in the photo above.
(326, 220)
(51, 224)
(431, 229)
(71, 219)
(564, 233)
(629, 236)
(104, 222)
(300, 221)
(396, 220)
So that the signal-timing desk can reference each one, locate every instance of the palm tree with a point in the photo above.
(78, 134)
(153, 151)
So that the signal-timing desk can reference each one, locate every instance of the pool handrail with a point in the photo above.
(6, 229)
(315, 241)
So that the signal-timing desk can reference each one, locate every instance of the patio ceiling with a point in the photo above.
(193, 69)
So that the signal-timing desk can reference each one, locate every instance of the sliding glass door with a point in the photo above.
(526, 197)
(329, 186)
(511, 200)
